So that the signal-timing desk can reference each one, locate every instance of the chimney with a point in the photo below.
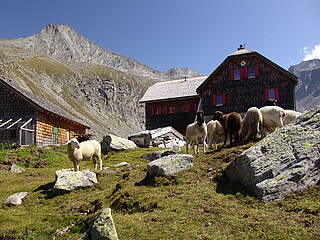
(242, 46)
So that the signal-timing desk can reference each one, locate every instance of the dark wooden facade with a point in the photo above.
(175, 113)
(246, 79)
(172, 103)
(27, 119)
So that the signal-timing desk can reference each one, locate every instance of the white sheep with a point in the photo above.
(272, 117)
(87, 150)
(195, 133)
(252, 123)
(290, 116)
(215, 132)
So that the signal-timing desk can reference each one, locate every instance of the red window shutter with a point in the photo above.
(165, 109)
(183, 108)
(256, 71)
(276, 93)
(188, 107)
(194, 106)
(241, 73)
(266, 97)
(223, 98)
(173, 109)
(231, 74)
(214, 100)
(245, 72)
(151, 110)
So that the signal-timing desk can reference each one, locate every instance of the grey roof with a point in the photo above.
(42, 103)
(172, 89)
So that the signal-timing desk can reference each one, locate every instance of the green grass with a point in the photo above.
(196, 204)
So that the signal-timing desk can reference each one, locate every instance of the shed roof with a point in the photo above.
(41, 103)
(172, 89)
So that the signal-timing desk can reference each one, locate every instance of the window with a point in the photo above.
(55, 130)
(236, 74)
(218, 100)
(164, 109)
(172, 109)
(157, 110)
(186, 107)
(271, 93)
(251, 73)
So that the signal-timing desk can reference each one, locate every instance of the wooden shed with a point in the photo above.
(172, 103)
(246, 79)
(26, 119)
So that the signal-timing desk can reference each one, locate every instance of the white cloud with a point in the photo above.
(311, 54)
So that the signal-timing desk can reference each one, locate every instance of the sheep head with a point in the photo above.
(73, 143)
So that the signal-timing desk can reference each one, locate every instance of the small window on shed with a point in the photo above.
(172, 109)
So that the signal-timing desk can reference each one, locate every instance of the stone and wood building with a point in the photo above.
(244, 79)
(172, 103)
(27, 119)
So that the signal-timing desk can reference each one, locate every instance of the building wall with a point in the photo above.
(66, 129)
(177, 114)
(239, 95)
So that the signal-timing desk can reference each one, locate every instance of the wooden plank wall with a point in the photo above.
(66, 129)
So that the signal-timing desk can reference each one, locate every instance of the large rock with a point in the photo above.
(69, 180)
(159, 154)
(15, 199)
(285, 161)
(170, 165)
(103, 228)
(112, 142)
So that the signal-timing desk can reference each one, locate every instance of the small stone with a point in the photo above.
(15, 199)
(16, 169)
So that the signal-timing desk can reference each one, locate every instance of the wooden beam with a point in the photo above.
(26, 123)
(14, 123)
(5, 122)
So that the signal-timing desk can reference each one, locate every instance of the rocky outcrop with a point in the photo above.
(283, 162)
(103, 228)
(112, 142)
(67, 180)
(308, 89)
(15, 199)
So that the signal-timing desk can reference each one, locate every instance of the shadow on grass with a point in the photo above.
(157, 181)
(226, 186)
(49, 191)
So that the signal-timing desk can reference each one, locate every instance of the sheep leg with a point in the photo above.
(204, 145)
(75, 166)
(225, 137)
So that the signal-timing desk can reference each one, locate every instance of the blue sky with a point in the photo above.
(197, 34)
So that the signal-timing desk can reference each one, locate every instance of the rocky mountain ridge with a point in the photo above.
(64, 43)
(308, 89)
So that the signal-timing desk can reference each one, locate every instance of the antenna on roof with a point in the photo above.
(185, 78)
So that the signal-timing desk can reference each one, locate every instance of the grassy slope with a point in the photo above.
(195, 204)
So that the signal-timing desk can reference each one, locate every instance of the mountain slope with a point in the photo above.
(64, 43)
(308, 89)
(106, 98)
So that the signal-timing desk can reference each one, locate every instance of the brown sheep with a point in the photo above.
(232, 125)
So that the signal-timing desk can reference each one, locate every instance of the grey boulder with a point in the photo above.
(283, 162)
(112, 142)
(15, 199)
(103, 228)
(170, 165)
(69, 180)
(159, 154)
